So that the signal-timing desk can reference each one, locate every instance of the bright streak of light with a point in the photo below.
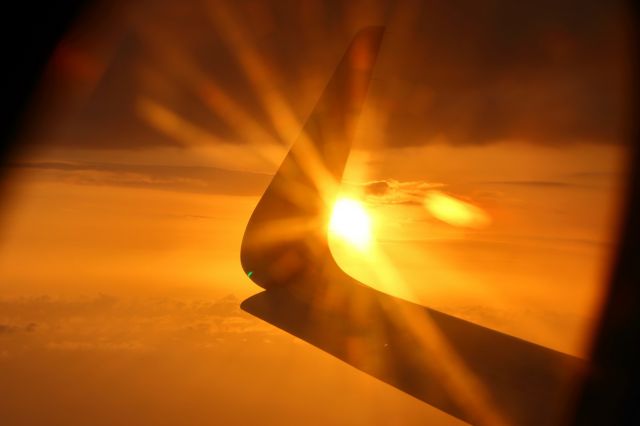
(455, 212)
(351, 222)
(164, 119)
(456, 376)
(259, 71)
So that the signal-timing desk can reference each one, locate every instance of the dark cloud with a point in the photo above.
(10, 329)
(582, 180)
(545, 72)
(597, 175)
(173, 54)
(377, 188)
(392, 191)
(464, 72)
(7, 329)
(534, 183)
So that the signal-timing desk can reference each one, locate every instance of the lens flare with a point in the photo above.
(350, 222)
(455, 212)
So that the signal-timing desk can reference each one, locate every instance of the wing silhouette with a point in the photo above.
(285, 251)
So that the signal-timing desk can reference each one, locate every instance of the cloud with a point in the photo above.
(378, 188)
(548, 72)
(124, 346)
(7, 329)
(534, 183)
(392, 191)
(106, 323)
(582, 180)
(178, 178)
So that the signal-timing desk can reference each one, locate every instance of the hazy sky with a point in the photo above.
(158, 126)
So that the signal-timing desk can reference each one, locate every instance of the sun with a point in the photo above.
(350, 222)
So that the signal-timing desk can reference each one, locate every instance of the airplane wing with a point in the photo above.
(471, 372)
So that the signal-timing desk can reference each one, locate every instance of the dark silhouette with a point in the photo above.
(285, 251)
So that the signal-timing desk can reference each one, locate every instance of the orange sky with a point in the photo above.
(159, 125)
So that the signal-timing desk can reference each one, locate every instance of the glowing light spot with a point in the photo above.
(350, 222)
(249, 274)
(455, 212)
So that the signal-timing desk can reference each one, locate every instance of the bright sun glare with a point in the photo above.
(350, 222)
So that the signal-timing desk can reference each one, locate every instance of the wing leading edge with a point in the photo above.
(285, 251)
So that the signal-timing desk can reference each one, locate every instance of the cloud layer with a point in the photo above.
(177, 178)
(547, 72)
